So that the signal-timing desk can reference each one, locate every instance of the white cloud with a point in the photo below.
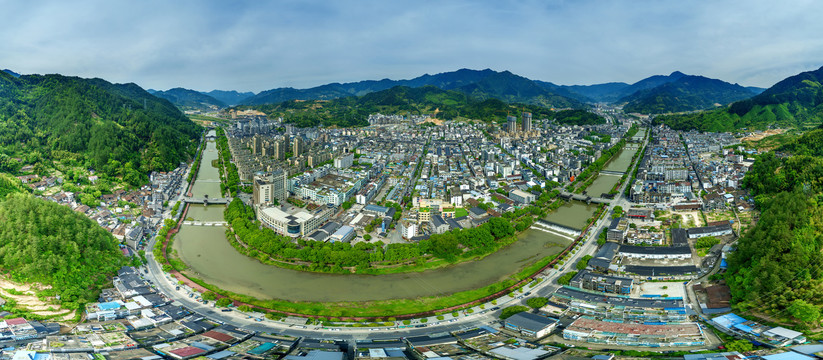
(250, 45)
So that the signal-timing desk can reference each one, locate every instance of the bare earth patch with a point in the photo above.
(28, 299)
(764, 134)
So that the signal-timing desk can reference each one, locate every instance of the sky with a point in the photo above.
(259, 45)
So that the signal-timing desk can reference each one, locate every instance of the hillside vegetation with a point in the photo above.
(796, 101)
(118, 129)
(44, 242)
(442, 104)
(777, 268)
(687, 93)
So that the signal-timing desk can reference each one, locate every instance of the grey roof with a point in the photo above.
(376, 208)
(453, 224)
(476, 211)
(710, 229)
(585, 275)
(437, 221)
(661, 270)
(530, 321)
(680, 237)
(592, 297)
(380, 344)
(607, 251)
(173, 311)
(429, 340)
(330, 227)
(655, 250)
(319, 235)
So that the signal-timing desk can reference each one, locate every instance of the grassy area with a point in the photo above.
(208, 118)
(459, 212)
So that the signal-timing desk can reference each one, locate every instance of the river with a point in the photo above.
(211, 258)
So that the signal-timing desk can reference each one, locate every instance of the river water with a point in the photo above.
(211, 258)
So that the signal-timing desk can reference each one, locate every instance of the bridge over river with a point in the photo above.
(580, 197)
(206, 200)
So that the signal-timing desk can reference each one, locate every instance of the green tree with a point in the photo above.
(537, 302)
(566, 278)
(511, 310)
(741, 345)
(583, 262)
(618, 212)
(803, 311)
(223, 302)
(209, 295)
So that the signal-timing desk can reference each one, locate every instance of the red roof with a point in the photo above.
(218, 336)
(16, 321)
(187, 351)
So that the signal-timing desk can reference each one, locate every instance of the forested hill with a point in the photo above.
(687, 93)
(189, 99)
(428, 100)
(41, 241)
(119, 129)
(777, 268)
(480, 84)
(796, 101)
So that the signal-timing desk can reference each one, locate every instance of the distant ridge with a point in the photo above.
(796, 101)
(687, 93)
(189, 99)
(482, 84)
(12, 73)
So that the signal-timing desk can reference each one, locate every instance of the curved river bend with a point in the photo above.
(211, 258)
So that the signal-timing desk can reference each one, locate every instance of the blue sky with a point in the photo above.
(259, 45)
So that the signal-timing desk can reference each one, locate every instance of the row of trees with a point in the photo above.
(450, 246)
(231, 178)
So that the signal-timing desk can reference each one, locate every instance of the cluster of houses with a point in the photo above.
(446, 170)
(692, 171)
(130, 216)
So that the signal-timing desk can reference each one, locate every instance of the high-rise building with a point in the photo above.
(511, 122)
(298, 147)
(527, 121)
(269, 187)
(280, 185)
(257, 145)
(279, 150)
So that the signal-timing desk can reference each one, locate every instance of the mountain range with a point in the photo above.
(686, 93)
(655, 94)
(796, 101)
(480, 84)
(428, 100)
